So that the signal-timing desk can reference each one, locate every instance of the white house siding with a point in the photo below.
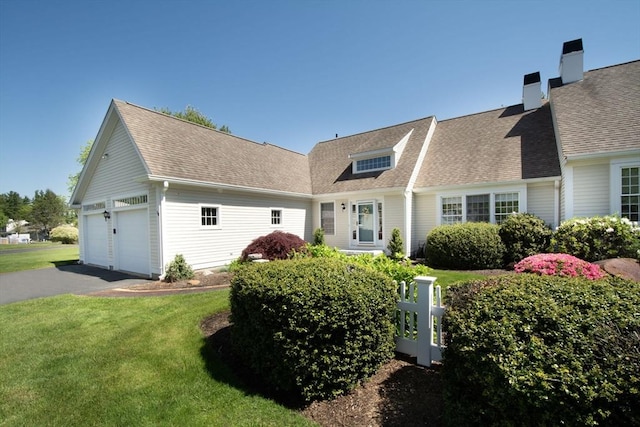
(591, 190)
(393, 214)
(340, 238)
(242, 218)
(117, 174)
(541, 202)
(424, 217)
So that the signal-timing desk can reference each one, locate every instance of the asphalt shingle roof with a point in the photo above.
(175, 148)
(331, 170)
(502, 145)
(599, 114)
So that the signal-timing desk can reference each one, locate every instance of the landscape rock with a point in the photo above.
(627, 268)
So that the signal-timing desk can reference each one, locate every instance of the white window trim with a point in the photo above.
(522, 200)
(272, 225)
(126, 196)
(615, 181)
(218, 208)
(334, 217)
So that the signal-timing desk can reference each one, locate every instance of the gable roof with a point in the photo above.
(178, 149)
(503, 145)
(331, 167)
(599, 114)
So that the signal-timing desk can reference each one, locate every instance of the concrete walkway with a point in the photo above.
(68, 279)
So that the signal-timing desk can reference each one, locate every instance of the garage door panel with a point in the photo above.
(96, 241)
(132, 237)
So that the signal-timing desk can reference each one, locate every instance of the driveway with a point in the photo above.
(68, 279)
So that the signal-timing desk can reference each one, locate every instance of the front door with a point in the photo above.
(366, 222)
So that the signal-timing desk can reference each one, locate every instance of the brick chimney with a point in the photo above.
(531, 91)
(571, 62)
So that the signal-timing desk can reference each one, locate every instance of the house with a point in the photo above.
(155, 186)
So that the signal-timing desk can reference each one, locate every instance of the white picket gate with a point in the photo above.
(417, 316)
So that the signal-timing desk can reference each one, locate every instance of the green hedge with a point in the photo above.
(467, 246)
(541, 350)
(524, 235)
(314, 327)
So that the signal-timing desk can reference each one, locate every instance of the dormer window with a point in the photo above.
(373, 164)
(380, 159)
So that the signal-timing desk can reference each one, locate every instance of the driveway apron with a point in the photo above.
(68, 279)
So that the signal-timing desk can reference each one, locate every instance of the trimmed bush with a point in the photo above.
(542, 350)
(66, 234)
(559, 265)
(597, 238)
(276, 245)
(312, 327)
(468, 246)
(396, 246)
(524, 235)
(318, 237)
(178, 269)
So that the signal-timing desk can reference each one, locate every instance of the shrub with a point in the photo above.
(597, 238)
(318, 237)
(468, 246)
(396, 246)
(542, 350)
(559, 265)
(66, 234)
(178, 269)
(312, 327)
(524, 235)
(276, 245)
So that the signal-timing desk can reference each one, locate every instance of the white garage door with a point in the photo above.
(95, 240)
(132, 241)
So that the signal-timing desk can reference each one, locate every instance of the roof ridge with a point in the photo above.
(378, 129)
(544, 102)
(202, 126)
(613, 66)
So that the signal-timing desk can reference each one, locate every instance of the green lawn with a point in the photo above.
(447, 277)
(74, 360)
(36, 255)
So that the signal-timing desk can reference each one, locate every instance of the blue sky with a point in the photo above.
(291, 73)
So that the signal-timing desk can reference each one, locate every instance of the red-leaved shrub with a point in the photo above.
(559, 265)
(276, 245)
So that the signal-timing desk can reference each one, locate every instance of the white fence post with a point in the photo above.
(427, 311)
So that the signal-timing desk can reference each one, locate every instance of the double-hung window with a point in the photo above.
(505, 205)
(327, 218)
(630, 194)
(491, 207)
(451, 210)
(276, 217)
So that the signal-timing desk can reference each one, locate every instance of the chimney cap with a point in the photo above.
(532, 78)
(572, 46)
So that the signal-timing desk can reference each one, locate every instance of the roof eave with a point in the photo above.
(438, 188)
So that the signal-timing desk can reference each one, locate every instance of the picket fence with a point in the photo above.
(419, 320)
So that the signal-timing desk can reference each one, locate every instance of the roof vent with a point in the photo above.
(571, 61)
(531, 91)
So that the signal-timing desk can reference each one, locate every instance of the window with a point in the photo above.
(209, 216)
(276, 217)
(130, 201)
(376, 163)
(506, 204)
(478, 208)
(94, 206)
(327, 218)
(630, 196)
(380, 221)
(451, 210)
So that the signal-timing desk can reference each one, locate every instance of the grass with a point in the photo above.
(36, 255)
(76, 361)
(448, 277)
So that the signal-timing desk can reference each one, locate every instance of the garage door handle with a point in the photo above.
(114, 231)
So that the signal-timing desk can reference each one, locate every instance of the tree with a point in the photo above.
(48, 210)
(82, 159)
(191, 114)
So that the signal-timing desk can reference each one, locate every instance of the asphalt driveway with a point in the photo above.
(68, 279)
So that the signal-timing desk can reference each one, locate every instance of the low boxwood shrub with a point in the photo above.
(67, 234)
(467, 246)
(597, 238)
(276, 245)
(559, 265)
(536, 350)
(178, 269)
(312, 327)
(523, 235)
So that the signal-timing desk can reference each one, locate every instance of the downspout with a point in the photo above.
(408, 223)
(556, 201)
(162, 227)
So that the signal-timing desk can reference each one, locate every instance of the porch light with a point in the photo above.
(106, 215)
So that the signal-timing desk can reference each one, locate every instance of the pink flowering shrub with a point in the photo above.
(559, 265)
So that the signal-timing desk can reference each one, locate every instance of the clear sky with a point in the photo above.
(291, 73)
